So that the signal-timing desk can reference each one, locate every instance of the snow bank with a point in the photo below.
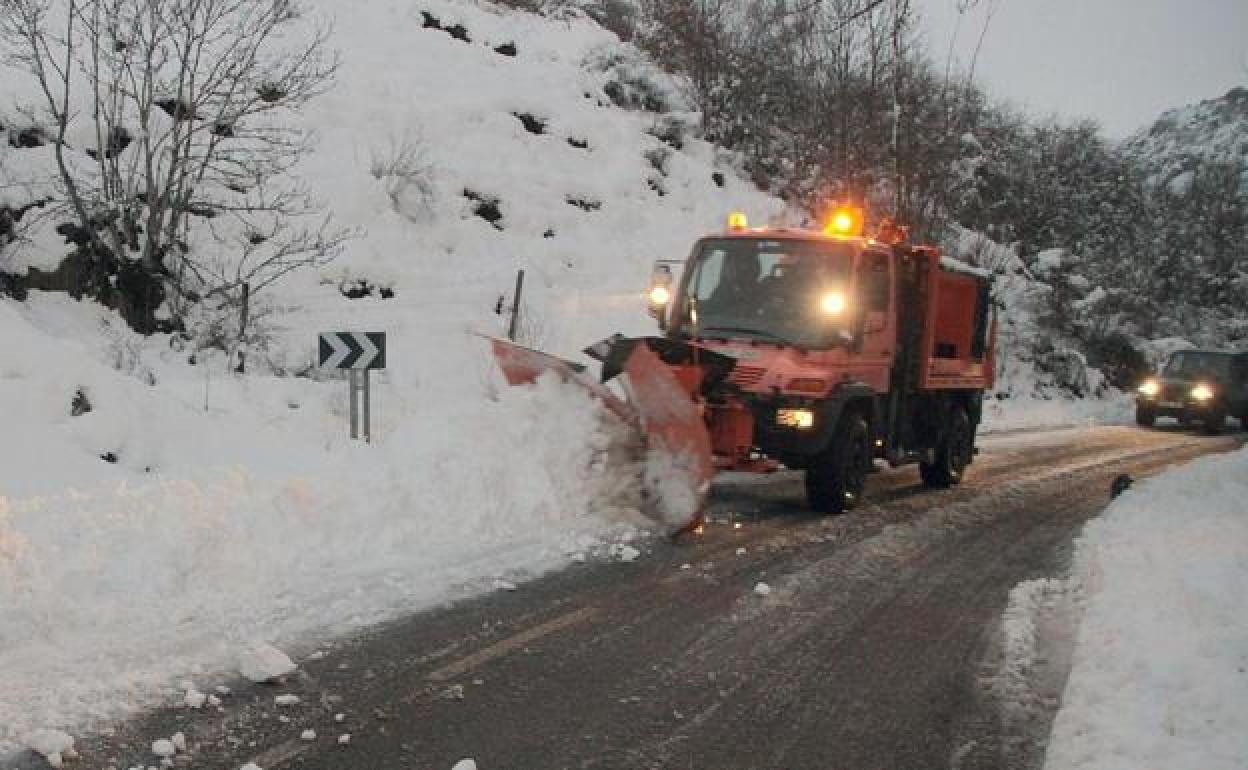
(109, 590)
(1160, 674)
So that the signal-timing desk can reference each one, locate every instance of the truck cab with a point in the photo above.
(1204, 386)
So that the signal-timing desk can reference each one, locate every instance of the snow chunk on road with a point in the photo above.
(465, 764)
(251, 766)
(179, 741)
(164, 748)
(762, 589)
(264, 663)
(307, 735)
(287, 700)
(1160, 670)
(623, 552)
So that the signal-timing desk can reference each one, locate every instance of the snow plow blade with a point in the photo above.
(522, 366)
(678, 464)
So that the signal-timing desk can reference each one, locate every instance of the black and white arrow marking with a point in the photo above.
(353, 350)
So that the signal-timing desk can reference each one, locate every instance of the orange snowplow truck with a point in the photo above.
(816, 350)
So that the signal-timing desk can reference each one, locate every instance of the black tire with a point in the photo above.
(953, 453)
(1215, 423)
(836, 478)
(1145, 417)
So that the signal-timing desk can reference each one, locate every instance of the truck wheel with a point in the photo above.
(1145, 417)
(836, 478)
(1215, 422)
(953, 453)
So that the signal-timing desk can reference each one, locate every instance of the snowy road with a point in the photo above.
(875, 647)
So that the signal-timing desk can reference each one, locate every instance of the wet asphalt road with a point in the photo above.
(877, 646)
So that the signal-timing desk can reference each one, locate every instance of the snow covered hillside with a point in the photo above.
(157, 515)
(1160, 673)
(1182, 140)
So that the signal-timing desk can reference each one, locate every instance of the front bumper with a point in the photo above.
(1183, 410)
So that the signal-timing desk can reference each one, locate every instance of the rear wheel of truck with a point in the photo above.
(835, 479)
(953, 453)
(1144, 417)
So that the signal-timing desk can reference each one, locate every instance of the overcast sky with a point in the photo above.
(1122, 62)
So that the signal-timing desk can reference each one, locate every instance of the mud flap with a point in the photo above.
(678, 463)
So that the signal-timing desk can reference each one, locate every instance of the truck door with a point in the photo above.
(877, 333)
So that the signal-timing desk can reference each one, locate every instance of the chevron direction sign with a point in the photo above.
(353, 350)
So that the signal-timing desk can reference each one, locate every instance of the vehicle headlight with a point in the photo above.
(1149, 388)
(832, 303)
(802, 419)
(660, 295)
(1202, 393)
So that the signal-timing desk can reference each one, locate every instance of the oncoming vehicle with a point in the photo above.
(817, 350)
(1202, 386)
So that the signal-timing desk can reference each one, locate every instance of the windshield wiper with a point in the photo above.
(747, 330)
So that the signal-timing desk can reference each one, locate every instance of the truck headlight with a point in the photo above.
(802, 419)
(832, 303)
(1202, 393)
(660, 296)
(1150, 388)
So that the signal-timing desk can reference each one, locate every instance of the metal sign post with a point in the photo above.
(357, 352)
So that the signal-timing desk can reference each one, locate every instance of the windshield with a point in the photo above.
(766, 289)
(1190, 365)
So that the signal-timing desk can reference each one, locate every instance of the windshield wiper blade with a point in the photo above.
(748, 330)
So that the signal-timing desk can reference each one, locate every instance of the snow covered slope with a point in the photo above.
(158, 514)
(1182, 139)
(1160, 674)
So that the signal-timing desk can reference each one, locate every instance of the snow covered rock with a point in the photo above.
(762, 589)
(194, 699)
(251, 766)
(344, 739)
(307, 735)
(287, 700)
(179, 742)
(465, 764)
(264, 663)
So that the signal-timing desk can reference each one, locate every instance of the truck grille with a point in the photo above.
(1173, 392)
(746, 376)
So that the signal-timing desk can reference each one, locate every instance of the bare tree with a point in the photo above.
(187, 110)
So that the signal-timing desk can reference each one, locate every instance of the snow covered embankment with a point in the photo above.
(1160, 669)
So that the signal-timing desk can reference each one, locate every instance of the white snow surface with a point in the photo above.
(1160, 669)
